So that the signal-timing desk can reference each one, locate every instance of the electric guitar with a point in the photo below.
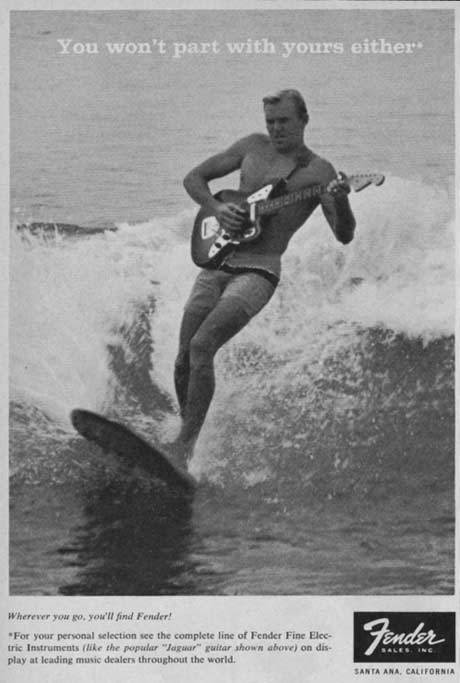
(211, 242)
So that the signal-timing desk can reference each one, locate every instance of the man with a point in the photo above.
(224, 300)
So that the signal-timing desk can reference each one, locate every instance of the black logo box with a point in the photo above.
(441, 624)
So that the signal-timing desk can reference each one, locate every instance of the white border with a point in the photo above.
(204, 610)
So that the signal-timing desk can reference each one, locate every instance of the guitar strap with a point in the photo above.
(303, 162)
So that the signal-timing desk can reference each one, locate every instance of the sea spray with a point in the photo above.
(397, 274)
(95, 323)
(308, 374)
(69, 299)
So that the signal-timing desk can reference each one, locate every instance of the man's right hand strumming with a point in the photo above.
(230, 216)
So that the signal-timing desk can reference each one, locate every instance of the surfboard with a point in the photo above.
(133, 450)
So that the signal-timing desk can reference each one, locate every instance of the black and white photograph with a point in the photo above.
(324, 461)
(232, 305)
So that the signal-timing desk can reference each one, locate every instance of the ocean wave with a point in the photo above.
(352, 357)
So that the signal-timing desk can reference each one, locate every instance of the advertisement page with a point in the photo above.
(229, 315)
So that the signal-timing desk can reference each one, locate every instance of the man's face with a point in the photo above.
(285, 127)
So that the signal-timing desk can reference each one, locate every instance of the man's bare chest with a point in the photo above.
(259, 169)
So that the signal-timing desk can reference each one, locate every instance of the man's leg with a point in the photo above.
(226, 320)
(191, 321)
(203, 298)
(243, 297)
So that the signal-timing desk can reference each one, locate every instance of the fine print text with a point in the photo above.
(143, 638)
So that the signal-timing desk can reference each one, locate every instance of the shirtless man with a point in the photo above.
(224, 300)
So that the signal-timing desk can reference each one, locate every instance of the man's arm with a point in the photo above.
(196, 182)
(336, 207)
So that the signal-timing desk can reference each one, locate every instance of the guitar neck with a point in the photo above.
(358, 182)
(271, 205)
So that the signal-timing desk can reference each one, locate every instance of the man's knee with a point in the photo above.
(201, 353)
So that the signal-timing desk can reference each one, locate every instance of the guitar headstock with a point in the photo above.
(361, 180)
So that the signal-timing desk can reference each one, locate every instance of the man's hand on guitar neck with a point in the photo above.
(231, 217)
(339, 187)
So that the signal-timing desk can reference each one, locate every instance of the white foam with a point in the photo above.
(70, 297)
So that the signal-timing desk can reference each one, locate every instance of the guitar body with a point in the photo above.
(211, 243)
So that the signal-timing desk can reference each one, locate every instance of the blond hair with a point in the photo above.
(289, 94)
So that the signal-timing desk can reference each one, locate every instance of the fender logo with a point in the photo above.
(384, 636)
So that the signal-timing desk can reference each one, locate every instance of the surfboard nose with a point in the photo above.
(114, 437)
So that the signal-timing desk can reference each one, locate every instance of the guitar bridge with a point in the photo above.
(220, 243)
